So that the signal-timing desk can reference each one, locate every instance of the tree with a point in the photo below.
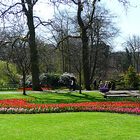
(127, 59)
(47, 57)
(84, 26)
(85, 19)
(133, 46)
(94, 28)
(76, 59)
(16, 9)
(102, 62)
(20, 56)
(61, 29)
(101, 32)
(27, 6)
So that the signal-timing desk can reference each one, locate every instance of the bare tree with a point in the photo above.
(47, 57)
(20, 56)
(133, 46)
(15, 50)
(86, 8)
(62, 30)
(16, 8)
(95, 27)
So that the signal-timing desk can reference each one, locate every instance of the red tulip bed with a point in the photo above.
(23, 106)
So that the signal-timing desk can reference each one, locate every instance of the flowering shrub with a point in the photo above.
(65, 79)
(22, 106)
(49, 79)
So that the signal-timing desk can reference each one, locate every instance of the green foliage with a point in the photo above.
(119, 81)
(50, 79)
(131, 79)
(8, 75)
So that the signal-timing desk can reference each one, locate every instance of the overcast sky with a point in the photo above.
(128, 20)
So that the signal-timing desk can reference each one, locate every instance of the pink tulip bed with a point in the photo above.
(20, 106)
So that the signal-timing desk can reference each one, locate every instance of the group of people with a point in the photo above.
(104, 85)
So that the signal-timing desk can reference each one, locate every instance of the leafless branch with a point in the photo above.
(44, 23)
(65, 38)
(8, 9)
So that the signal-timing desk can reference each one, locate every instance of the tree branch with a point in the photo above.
(10, 7)
(65, 38)
(44, 23)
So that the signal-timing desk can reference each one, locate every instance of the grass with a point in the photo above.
(65, 97)
(72, 97)
(70, 126)
(49, 97)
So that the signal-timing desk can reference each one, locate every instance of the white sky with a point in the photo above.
(127, 20)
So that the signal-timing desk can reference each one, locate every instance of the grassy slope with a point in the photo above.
(70, 126)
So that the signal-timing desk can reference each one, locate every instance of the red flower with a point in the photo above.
(122, 107)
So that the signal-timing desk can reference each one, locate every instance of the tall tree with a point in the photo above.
(84, 26)
(27, 6)
(92, 27)
(86, 18)
(16, 8)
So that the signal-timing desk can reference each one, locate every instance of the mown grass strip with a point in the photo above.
(70, 126)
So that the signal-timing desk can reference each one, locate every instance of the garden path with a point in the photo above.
(122, 93)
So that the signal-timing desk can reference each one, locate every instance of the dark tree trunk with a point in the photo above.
(85, 59)
(85, 50)
(33, 56)
(24, 79)
(33, 46)
(80, 80)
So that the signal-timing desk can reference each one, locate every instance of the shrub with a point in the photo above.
(8, 74)
(46, 79)
(131, 79)
(65, 79)
(28, 82)
(119, 82)
(49, 79)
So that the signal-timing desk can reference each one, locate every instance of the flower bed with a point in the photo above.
(23, 106)
(30, 89)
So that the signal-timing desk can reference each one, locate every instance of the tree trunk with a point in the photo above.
(80, 80)
(33, 52)
(85, 50)
(24, 79)
(85, 59)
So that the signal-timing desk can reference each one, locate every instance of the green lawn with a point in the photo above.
(49, 97)
(64, 97)
(70, 126)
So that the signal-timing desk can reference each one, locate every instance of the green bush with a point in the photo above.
(131, 79)
(120, 85)
(49, 79)
(8, 74)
